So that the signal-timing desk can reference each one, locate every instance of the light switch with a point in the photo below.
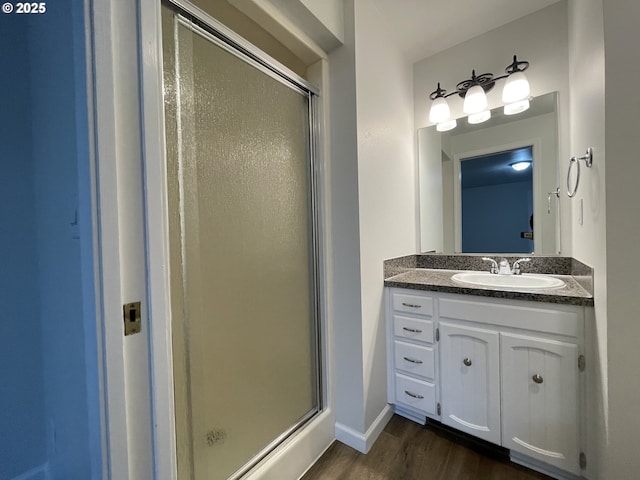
(132, 318)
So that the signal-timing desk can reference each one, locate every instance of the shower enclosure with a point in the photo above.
(243, 248)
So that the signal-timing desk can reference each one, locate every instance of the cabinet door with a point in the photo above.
(540, 399)
(470, 380)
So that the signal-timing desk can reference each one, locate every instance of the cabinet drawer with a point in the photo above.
(414, 359)
(416, 394)
(413, 328)
(412, 304)
(558, 320)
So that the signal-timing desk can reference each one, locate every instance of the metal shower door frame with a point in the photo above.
(156, 210)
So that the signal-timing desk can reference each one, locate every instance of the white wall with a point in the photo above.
(330, 13)
(345, 241)
(622, 110)
(541, 39)
(373, 208)
(386, 180)
(586, 74)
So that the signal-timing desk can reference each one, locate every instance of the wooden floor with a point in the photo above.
(408, 451)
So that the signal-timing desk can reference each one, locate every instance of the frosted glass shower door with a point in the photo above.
(242, 257)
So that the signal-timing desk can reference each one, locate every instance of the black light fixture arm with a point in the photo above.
(439, 92)
(516, 66)
(486, 80)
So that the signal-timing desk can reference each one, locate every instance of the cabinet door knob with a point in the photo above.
(537, 378)
(467, 362)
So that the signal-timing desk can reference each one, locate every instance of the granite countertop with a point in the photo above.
(439, 280)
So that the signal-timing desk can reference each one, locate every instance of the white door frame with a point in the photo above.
(115, 109)
(157, 225)
(117, 457)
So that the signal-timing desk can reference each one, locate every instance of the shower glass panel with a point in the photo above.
(243, 266)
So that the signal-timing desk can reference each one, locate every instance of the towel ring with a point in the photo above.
(588, 161)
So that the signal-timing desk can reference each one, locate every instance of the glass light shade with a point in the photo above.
(447, 125)
(479, 117)
(519, 166)
(516, 88)
(475, 100)
(516, 107)
(439, 111)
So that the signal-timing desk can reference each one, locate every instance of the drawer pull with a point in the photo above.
(411, 305)
(412, 330)
(414, 395)
(537, 378)
(412, 360)
(467, 362)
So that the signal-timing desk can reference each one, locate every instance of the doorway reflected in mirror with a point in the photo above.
(497, 202)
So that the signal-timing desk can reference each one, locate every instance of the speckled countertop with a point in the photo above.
(405, 272)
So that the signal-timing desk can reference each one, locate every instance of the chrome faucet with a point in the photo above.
(494, 264)
(504, 269)
(516, 265)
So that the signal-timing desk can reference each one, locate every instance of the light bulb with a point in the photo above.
(479, 117)
(446, 126)
(439, 111)
(519, 166)
(516, 107)
(516, 88)
(475, 100)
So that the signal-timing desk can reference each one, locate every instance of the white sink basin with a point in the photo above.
(525, 281)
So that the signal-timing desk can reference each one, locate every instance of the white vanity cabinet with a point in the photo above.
(507, 371)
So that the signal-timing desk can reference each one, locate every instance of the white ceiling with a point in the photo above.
(422, 28)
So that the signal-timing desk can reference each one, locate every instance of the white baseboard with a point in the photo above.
(364, 441)
(38, 473)
(294, 457)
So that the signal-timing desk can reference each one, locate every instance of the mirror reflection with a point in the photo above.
(488, 188)
(497, 186)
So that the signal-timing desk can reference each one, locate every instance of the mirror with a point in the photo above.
(471, 198)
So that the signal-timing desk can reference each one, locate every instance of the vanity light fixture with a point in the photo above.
(515, 96)
(521, 165)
